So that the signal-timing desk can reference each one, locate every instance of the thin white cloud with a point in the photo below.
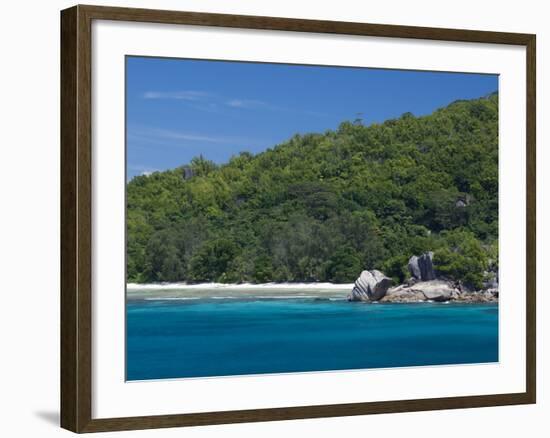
(181, 135)
(248, 104)
(156, 135)
(253, 104)
(210, 102)
(189, 95)
(142, 170)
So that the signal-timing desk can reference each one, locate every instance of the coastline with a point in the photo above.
(174, 291)
(330, 291)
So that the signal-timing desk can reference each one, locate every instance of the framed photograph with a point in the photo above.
(271, 218)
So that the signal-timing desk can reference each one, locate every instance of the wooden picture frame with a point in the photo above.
(76, 218)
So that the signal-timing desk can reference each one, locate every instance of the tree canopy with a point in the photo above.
(324, 206)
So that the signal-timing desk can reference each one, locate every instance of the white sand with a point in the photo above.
(245, 290)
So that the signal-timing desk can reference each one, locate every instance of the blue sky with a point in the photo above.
(178, 109)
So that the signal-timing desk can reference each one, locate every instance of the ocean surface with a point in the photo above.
(220, 336)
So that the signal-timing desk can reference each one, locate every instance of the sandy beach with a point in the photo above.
(174, 291)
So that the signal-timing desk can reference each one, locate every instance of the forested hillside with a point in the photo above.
(323, 207)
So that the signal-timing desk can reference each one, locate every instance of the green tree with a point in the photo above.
(343, 266)
(462, 258)
(211, 261)
(324, 207)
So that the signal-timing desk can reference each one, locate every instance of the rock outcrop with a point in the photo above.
(437, 290)
(188, 172)
(422, 286)
(370, 286)
(421, 267)
(491, 280)
(403, 294)
(480, 296)
(433, 290)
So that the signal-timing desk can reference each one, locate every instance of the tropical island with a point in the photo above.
(407, 209)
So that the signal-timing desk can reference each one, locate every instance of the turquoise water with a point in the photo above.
(208, 337)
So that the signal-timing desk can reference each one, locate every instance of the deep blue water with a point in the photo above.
(198, 338)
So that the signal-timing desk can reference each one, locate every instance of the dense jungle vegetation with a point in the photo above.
(323, 207)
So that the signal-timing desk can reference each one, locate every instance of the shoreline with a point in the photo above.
(240, 286)
(330, 291)
(182, 291)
